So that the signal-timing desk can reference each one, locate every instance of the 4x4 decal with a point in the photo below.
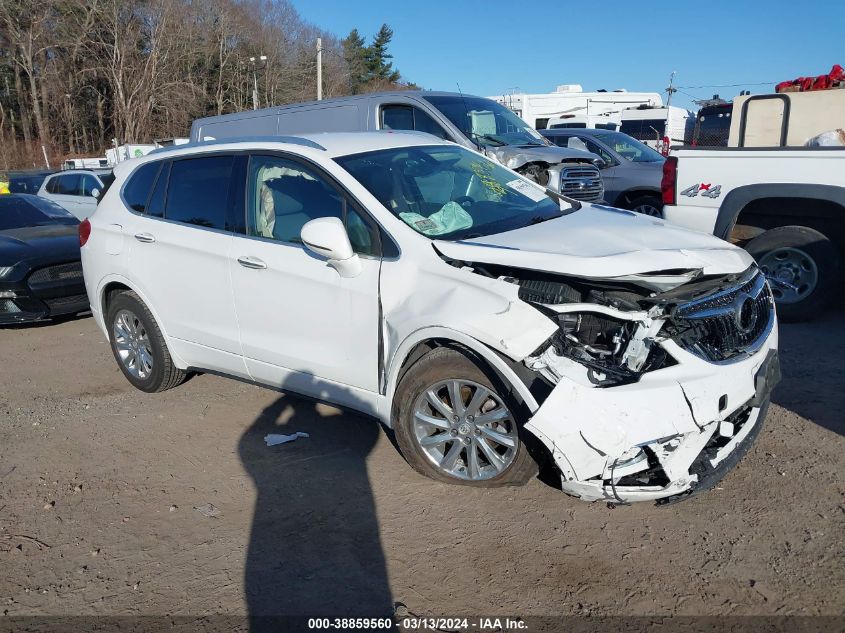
(706, 189)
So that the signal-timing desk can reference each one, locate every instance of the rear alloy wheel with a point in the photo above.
(452, 424)
(138, 345)
(802, 267)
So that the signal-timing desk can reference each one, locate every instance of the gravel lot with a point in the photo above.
(117, 502)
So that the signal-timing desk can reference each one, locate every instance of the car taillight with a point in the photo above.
(84, 232)
(670, 179)
(665, 146)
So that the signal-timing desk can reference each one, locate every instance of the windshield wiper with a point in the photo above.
(487, 137)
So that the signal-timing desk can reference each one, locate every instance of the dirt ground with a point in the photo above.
(117, 502)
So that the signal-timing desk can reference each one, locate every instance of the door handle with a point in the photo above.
(144, 237)
(251, 262)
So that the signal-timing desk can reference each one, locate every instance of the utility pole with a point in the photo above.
(670, 89)
(319, 69)
(252, 60)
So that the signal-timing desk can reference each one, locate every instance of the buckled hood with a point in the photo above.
(603, 242)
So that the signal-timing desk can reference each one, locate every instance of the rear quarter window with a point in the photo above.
(136, 191)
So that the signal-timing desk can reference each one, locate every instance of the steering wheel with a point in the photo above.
(465, 201)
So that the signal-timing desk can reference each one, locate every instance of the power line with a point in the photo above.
(762, 83)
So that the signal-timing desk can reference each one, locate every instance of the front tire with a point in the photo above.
(138, 345)
(453, 424)
(802, 266)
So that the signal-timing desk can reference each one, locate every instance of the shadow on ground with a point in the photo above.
(811, 356)
(314, 546)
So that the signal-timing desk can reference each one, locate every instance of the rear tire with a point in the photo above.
(138, 345)
(647, 205)
(803, 268)
(484, 447)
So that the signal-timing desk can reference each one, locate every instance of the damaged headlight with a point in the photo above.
(614, 351)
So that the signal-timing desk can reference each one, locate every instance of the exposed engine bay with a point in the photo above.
(619, 429)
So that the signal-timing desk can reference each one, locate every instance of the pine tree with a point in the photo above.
(355, 54)
(377, 59)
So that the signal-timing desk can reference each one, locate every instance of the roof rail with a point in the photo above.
(293, 140)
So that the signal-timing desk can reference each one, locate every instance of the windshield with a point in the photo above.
(17, 213)
(630, 148)
(449, 192)
(486, 122)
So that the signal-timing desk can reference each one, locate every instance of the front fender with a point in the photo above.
(398, 358)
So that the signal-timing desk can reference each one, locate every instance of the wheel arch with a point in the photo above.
(417, 344)
(629, 195)
(113, 284)
(827, 204)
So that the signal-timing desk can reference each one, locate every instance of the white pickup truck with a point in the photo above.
(767, 191)
(784, 205)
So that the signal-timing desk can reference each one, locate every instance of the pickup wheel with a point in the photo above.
(453, 424)
(802, 267)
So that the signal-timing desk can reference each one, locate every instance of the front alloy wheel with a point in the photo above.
(465, 430)
(457, 422)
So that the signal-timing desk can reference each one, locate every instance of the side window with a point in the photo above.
(198, 191)
(136, 191)
(283, 195)
(595, 148)
(89, 183)
(361, 234)
(424, 123)
(397, 117)
(577, 143)
(155, 207)
(69, 185)
(404, 117)
(53, 185)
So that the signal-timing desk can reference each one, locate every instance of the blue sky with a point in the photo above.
(493, 46)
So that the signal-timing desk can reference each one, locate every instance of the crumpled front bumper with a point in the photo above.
(661, 436)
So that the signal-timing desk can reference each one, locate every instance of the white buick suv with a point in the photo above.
(495, 326)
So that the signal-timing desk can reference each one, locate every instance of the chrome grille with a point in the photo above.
(62, 272)
(729, 323)
(581, 183)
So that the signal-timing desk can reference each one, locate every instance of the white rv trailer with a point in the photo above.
(570, 101)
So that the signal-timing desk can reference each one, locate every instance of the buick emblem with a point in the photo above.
(745, 312)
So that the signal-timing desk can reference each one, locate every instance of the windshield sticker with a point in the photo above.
(426, 225)
(485, 175)
(528, 190)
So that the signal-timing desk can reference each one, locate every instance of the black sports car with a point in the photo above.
(40, 268)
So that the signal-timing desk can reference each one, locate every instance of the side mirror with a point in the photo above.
(601, 163)
(96, 193)
(327, 238)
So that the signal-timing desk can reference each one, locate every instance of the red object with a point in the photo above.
(807, 84)
(84, 232)
(664, 147)
(669, 182)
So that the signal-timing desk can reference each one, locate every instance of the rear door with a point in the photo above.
(180, 238)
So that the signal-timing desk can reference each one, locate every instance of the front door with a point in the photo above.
(303, 326)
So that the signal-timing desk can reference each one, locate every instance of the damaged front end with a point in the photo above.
(656, 383)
